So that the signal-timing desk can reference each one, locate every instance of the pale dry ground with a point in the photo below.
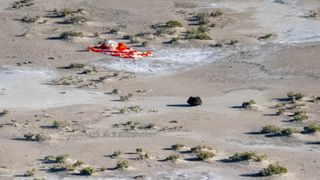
(263, 76)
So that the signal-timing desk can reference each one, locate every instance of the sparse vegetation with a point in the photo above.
(57, 159)
(273, 169)
(300, 116)
(264, 37)
(4, 112)
(61, 158)
(144, 43)
(88, 70)
(126, 97)
(280, 105)
(78, 163)
(115, 91)
(21, 4)
(249, 104)
(30, 172)
(66, 12)
(102, 169)
(200, 148)
(135, 109)
(148, 126)
(202, 18)
(311, 128)
(205, 154)
(272, 130)
(172, 24)
(246, 156)
(70, 34)
(139, 150)
(143, 155)
(132, 38)
(36, 137)
(216, 14)
(295, 96)
(75, 19)
(173, 157)
(280, 111)
(41, 137)
(177, 147)
(87, 171)
(196, 34)
(116, 154)
(30, 19)
(174, 40)
(122, 164)
(288, 131)
(315, 99)
(60, 124)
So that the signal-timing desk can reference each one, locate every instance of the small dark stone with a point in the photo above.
(194, 101)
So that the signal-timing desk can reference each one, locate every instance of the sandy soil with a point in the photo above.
(36, 90)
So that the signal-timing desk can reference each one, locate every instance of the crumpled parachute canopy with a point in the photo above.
(119, 50)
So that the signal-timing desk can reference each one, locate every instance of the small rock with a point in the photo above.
(194, 101)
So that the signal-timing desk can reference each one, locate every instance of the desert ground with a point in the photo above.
(67, 113)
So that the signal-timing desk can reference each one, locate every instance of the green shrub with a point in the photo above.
(273, 169)
(216, 14)
(4, 112)
(61, 158)
(203, 29)
(205, 154)
(295, 96)
(246, 156)
(66, 12)
(196, 34)
(288, 131)
(60, 124)
(276, 131)
(116, 154)
(174, 40)
(249, 104)
(126, 97)
(75, 19)
(267, 36)
(22, 3)
(202, 18)
(77, 163)
(270, 129)
(102, 169)
(312, 128)
(144, 43)
(139, 150)
(87, 171)
(315, 99)
(300, 116)
(29, 19)
(135, 109)
(280, 105)
(177, 147)
(69, 34)
(30, 172)
(122, 164)
(41, 137)
(172, 24)
(200, 148)
(143, 155)
(36, 137)
(173, 157)
(133, 39)
(280, 111)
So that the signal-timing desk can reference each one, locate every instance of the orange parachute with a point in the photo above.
(119, 50)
